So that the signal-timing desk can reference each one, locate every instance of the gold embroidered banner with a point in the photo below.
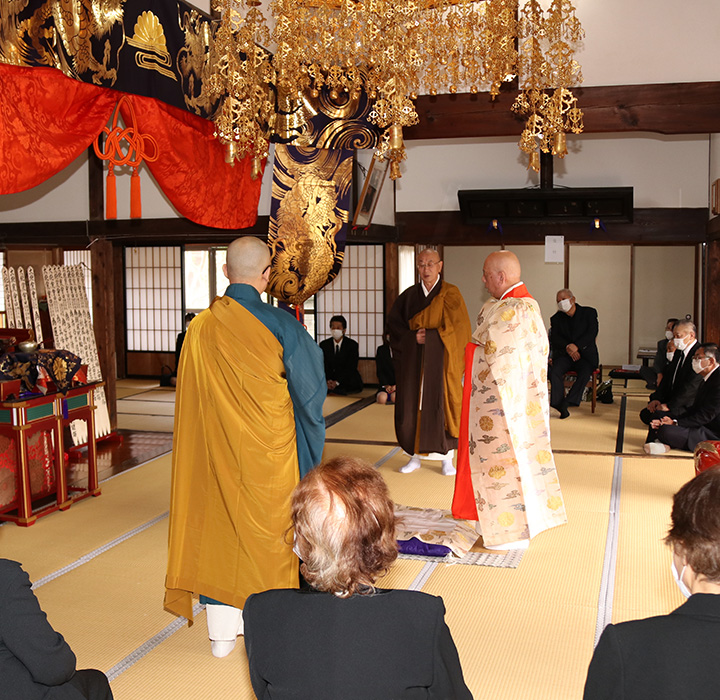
(308, 219)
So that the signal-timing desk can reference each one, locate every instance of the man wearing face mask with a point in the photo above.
(699, 422)
(679, 384)
(653, 375)
(573, 335)
(341, 355)
(672, 656)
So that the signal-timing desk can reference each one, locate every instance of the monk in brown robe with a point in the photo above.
(429, 328)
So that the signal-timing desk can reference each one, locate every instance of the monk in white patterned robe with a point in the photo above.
(506, 477)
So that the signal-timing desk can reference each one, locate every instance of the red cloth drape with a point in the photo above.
(191, 169)
(47, 120)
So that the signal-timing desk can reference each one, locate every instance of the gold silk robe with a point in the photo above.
(506, 477)
(235, 463)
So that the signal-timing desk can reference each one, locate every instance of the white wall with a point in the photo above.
(660, 284)
(631, 42)
(665, 171)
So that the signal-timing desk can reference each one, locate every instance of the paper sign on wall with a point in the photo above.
(554, 249)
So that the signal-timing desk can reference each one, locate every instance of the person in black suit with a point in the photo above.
(385, 372)
(672, 656)
(573, 336)
(699, 422)
(36, 663)
(341, 356)
(653, 375)
(344, 638)
(679, 384)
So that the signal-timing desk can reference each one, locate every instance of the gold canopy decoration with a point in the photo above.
(393, 50)
(240, 72)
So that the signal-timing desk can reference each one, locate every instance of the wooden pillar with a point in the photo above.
(103, 286)
(120, 345)
(392, 283)
(711, 317)
(546, 171)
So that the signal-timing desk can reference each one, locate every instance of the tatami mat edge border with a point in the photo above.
(607, 582)
(100, 550)
(144, 649)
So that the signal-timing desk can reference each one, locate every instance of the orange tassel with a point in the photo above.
(111, 196)
(113, 153)
(135, 200)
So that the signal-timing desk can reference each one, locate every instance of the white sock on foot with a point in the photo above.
(411, 466)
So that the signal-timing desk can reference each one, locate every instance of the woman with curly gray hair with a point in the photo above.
(344, 637)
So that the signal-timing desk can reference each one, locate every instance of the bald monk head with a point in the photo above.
(500, 272)
(248, 262)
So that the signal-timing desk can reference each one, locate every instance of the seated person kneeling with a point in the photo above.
(344, 638)
(36, 663)
(699, 422)
(672, 656)
(676, 392)
(341, 355)
(385, 372)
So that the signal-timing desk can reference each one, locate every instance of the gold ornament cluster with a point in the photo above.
(394, 50)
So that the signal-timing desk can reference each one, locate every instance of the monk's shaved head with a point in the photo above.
(500, 272)
(247, 259)
(505, 261)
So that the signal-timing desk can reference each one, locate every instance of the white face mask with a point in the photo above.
(697, 365)
(680, 343)
(669, 335)
(337, 333)
(564, 305)
(669, 356)
(678, 579)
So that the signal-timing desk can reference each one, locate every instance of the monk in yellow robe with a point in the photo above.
(248, 425)
(506, 479)
(429, 328)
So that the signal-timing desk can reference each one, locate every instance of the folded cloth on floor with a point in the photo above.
(424, 549)
(435, 527)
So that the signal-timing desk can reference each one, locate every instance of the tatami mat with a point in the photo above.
(528, 632)
(143, 384)
(124, 392)
(522, 634)
(374, 423)
(370, 453)
(145, 423)
(643, 583)
(128, 500)
(152, 408)
(585, 431)
(182, 668)
(111, 605)
(161, 395)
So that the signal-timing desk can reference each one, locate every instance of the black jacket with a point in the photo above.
(581, 329)
(36, 663)
(343, 365)
(680, 393)
(671, 657)
(393, 644)
(705, 411)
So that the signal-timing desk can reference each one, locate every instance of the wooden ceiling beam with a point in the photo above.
(668, 108)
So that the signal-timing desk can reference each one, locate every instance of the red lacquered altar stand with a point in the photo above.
(20, 419)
